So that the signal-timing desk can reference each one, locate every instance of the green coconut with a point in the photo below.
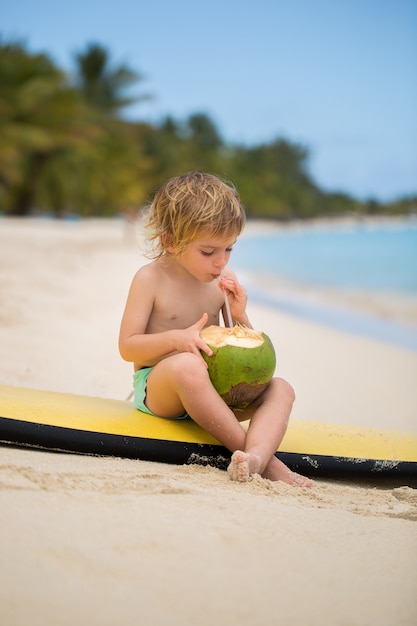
(242, 364)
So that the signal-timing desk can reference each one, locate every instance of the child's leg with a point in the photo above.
(182, 382)
(266, 430)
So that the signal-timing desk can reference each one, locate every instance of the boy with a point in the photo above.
(194, 221)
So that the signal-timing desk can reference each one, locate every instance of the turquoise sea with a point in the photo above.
(355, 276)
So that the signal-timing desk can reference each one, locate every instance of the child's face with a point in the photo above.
(206, 257)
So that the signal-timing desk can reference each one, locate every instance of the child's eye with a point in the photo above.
(211, 252)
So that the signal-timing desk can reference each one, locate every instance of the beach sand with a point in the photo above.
(94, 540)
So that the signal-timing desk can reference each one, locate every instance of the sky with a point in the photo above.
(338, 77)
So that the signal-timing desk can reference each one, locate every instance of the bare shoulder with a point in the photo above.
(150, 270)
(143, 287)
(147, 274)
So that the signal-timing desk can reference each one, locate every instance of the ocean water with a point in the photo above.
(355, 276)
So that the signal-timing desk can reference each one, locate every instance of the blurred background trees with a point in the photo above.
(65, 147)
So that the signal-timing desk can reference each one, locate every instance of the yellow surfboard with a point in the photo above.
(91, 425)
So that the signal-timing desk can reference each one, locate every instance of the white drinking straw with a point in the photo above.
(228, 313)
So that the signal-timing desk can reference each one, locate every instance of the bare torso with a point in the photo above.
(170, 304)
(174, 308)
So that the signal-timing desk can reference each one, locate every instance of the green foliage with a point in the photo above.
(103, 86)
(41, 119)
(274, 181)
(65, 147)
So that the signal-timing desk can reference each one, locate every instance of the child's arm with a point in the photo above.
(138, 346)
(237, 297)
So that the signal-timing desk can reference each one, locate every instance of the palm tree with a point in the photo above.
(104, 87)
(40, 117)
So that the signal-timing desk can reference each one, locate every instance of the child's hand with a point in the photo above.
(237, 297)
(189, 339)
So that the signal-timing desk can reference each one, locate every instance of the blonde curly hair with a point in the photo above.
(189, 204)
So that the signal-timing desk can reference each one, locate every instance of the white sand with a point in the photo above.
(106, 541)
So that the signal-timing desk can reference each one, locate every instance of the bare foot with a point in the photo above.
(297, 480)
(277, 470)
(243, 465)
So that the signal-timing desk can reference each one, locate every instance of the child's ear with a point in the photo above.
(166, 239)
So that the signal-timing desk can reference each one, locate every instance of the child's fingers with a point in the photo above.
(227, 283)
(204, 348)
(201, 322)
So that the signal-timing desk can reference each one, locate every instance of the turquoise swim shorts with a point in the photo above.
(140, 378)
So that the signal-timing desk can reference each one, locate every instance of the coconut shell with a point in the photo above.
(239, 373)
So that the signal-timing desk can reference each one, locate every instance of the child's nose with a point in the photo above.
(220, 261)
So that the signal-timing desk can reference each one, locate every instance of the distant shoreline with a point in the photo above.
(394, 317)
(259, 227)
(385, 315)
(360, 320)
